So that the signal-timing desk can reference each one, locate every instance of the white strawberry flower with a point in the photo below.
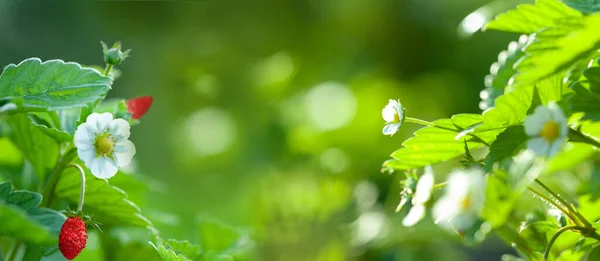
(463, 199)
(422, 195)
(102, 144)
(393, 114)
(547, 128)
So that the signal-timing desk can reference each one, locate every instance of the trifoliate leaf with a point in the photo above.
(105, 203)
(530, 18)
(40, 149)
(508, 143)
(51, 85)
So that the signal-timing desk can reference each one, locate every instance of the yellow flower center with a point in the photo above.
(465, 203)
(104, 145)
(550, 131)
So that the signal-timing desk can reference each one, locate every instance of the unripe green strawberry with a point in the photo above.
(72, 238)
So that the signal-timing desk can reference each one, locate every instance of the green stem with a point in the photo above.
(556, 235)
(577, 136)
(418, 121)
(439, 185)
(12, 255)
(82, 191)
(108, 69)
(565, 203)
(48, 191)
(558, 206)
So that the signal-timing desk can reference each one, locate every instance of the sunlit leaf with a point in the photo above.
(584, 6)
(501, 72)
(551, 54)
(538, 234)
(511, 109)
(51, 85)
(431, 145)
(508, 143)
(530, 18)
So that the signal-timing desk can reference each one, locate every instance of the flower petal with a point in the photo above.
(103, 168)
(533, 125)
(555, 147)
(86, 155)
(391, 128)
(124, 152)
(539, 146)
(416, 213)
(119, 128)
(99, 122)
(424, 187)
(84, 136)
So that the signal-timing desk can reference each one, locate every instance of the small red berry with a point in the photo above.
(72, 238)
(139, 106)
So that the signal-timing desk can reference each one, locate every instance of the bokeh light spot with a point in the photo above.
(330, 106)
(210, 131)
(334, 160)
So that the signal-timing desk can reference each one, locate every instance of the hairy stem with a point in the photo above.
(82, 192)
(565, 203)
(556, 205)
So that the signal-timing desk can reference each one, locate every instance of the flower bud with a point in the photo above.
(114, 55)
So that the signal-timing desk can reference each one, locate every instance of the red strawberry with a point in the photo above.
(72, 238)
(139, 106)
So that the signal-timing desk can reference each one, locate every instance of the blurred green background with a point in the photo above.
(267, 113)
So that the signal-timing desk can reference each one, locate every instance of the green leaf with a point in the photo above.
(168, 254)
(511, 109)
(51, 85)
(509, 142)
(217, 236)
(594, 254)
(43, 253)
(431, 145)
(587, 95)
(501, 72)
(538, 233)
(105, 203)
(24, 199)
(584, 6)
(18, 225)
(184, 247)
(499, 202)
(530, 18)
(5, 189)
(557, 49)
(50, 126)
(588, 207)
(39, 149)
(571, 155)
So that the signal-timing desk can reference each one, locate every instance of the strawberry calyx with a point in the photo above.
(87, 219)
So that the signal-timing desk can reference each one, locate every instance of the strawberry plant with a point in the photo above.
(539, 125)
(74, 144)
